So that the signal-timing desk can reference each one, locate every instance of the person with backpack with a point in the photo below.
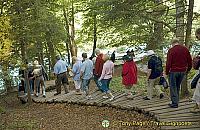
(196, 95)
(39, 79)
(179, 63)
(154, 72)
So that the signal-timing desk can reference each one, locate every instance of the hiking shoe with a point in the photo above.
(112, 98)
(78, 93)
(129, 97)
(56, 94)
(146, 98)
(173, 105)
(105, 97)
(89, 97)
(161, 95)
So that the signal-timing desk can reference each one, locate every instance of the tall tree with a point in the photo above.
(189, 23)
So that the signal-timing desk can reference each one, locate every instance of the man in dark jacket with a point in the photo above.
(179, 62)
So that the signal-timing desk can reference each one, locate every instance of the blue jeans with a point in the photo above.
(85, 85)
(175, 79)
(105, 85)
(96, 78)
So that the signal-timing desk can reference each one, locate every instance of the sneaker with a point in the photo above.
(89, 97)
(56, 94)
(129, 96)
(173, 105)
(44, 96)
(36, 94)
(146, 98)
(105, 97)
(78, 93)
(161, 95)
(112, 98)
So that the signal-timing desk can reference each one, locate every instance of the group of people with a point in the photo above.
(36, 80)
(101, 69)
(178, 64)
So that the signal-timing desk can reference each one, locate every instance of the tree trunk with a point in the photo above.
(68, 43)
(189, 23)
(25, 64)
(95, 35)
(73, 46)
(51, 50)
(49, 59)
(157, 37)
(180, 12)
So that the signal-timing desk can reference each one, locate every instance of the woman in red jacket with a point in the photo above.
(129, 74)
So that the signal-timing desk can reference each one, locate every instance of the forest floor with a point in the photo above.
(17, 116)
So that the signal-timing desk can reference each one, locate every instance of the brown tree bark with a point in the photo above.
(95, 35)
(73, 46)
(157, 37)
(189, 23)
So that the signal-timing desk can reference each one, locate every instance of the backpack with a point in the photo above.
(196, 62)
(158, 64)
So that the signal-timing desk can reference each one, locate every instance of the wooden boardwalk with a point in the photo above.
(169, 118)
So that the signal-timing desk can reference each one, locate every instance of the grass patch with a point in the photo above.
(116, 85)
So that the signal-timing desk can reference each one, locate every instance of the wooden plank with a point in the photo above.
(191, 125)
(191, 119)
(83, 100)
(107, 102)
(62, 97)
(95, 100)
(162, 103)
(183, 111)
(180, 115)
(99, 102)
(166, 106)
(167, 110)
(191, 128)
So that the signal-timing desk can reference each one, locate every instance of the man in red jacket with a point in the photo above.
(179, 62)
(98, 67)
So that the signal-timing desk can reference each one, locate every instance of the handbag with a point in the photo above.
(163, 82)
(194, 81)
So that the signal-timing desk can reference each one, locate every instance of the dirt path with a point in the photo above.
(65, 117)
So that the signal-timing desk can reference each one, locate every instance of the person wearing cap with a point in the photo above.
(154, 72)
(179, 62)
(129, 74)
(98, 67)
(132, 54)
(76, 70)
(60, 71)
(106, 77)
(86, 74)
